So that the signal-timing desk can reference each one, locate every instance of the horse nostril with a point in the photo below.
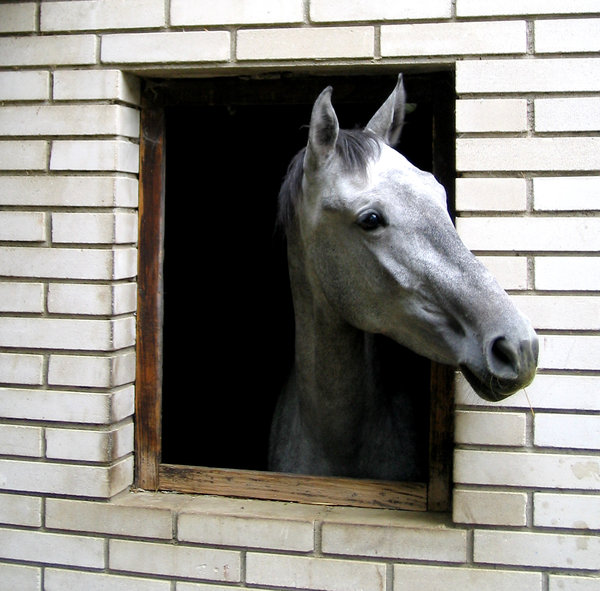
(504, 359)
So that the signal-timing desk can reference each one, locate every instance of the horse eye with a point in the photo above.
(370, 220)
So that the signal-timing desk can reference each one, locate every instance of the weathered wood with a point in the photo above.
(150, 300)
(441, 437)
(441, 420)
(294, 487)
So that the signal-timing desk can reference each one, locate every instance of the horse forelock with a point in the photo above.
(354, 148)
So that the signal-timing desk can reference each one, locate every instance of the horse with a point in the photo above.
(372, 251)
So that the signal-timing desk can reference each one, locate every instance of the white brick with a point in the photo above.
(96, 85)
(171, 47)
(88, 445)
(52, 548)
(341, 11)
(59, 580)
(93, 299)
(569, 352)
(22, 226)
(573, 583)
(536, 549)
(68, 263)
(524, 154)
(431, 39)
(252, 524)
(66, 479)
(24, 86)
(483, 115)
(64, 406)
(108, 155)
(94, 228)
(24, 578)
(568, 392)
(567, 35)
(176, 561)
(410, 543)
(19, 510)
(246, 532)
(489, 507)
(511, 272)
(408, 520)
(565, 510)
(560, 312)
(572, 431)
(69, 191)
(305, 43)
(17, 368)
(21, 297)
(236, 12)
(23, 155)
(491, 194)
(55, 50)
(530, 234)
(569, 114)
(438, 578)
(300, 572)
(91, 372)
(520, 7)
(490, 428)
(88, 335)
(500, 468)
(179, 586)
(107, 518)
(19, 440)
(566, 193)
(567, 273)
(565, 392)
(17, 18)
(101, 14)
(528, 75)
(26, 120)
(152, 500)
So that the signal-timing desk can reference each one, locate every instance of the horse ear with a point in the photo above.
(323, 131)
(387, 122)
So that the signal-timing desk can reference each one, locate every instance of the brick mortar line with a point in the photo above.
(168, 10)
(167, 26)
(470, 529)
(377, 43)
(306, 11)
(389, 577)
(318, 538)
(530, 33)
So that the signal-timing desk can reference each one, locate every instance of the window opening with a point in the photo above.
(214, 153)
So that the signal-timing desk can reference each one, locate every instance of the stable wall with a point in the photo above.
(527, 472)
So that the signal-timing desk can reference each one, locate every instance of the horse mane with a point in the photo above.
(354, 148)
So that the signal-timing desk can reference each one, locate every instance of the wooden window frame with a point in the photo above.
(151, 473)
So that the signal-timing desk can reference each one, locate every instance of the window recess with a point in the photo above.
(215, 326)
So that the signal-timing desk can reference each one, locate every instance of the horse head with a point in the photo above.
(380, 250)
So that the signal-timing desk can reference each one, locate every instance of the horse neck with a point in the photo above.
(334, 362)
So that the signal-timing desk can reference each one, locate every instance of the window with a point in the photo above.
(215, 325)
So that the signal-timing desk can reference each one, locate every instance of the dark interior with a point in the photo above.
(228, 325)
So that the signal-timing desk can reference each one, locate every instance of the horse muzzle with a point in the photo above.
(508, 364)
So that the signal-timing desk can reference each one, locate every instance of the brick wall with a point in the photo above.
(527, 472)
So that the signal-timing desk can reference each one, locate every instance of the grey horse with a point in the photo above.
(372, 251)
